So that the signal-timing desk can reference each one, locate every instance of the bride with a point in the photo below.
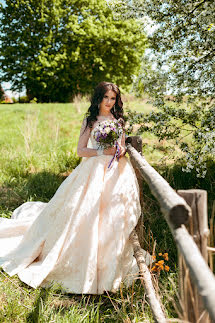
(80, 238)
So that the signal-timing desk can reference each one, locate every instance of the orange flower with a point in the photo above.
(166, 268)
(154, 257)
(160, 254)
(154, 268)
(165, 256)
(160, 262)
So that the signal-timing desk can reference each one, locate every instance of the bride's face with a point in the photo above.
(108, 101)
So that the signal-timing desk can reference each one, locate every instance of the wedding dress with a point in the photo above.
(80, 238)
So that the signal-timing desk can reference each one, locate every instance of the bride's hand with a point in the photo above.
(122, 151)
(110, 151)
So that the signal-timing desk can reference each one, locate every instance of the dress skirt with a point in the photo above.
(80, 238)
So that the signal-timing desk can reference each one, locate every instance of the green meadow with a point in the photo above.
(37, 152)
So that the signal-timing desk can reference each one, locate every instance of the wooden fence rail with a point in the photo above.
(177, 213)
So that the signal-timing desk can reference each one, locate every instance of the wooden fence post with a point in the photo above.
(198, 229)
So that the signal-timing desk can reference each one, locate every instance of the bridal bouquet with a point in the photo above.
(107, 133)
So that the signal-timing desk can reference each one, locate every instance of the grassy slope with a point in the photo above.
(37, 151)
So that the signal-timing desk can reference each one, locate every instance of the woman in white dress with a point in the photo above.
(80, 238)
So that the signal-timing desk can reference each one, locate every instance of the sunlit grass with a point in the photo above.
(20, 303)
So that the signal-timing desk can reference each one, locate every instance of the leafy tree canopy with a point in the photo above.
(181, 63)
(181, 35)
(58, 48)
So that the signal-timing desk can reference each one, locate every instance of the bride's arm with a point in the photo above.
(82, 149)
(122, 146)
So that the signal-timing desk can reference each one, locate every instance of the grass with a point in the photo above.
(37, 152)
(20, 303)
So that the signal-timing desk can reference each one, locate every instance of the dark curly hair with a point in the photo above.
(98, 95)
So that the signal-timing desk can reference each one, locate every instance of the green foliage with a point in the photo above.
(23, 99)
(14, 99)
(181, 36)
(180, 64)
(59, 48)
(34, 100)
(190, 128)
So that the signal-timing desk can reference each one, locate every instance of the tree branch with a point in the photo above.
(147, 281)
(197, 6)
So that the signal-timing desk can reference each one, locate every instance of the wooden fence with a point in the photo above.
(182, 216)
